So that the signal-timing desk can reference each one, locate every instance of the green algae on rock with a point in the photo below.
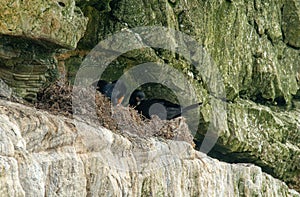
(255, 45)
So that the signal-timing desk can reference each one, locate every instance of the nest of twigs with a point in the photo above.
(56, 98)
(96, 108)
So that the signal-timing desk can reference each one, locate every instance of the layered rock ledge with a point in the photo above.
(42, 154)
(30, 33)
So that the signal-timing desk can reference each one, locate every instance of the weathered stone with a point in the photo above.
(31, 32)
(255, 45)
(58, 22)
(244, 40)
(291, 22)
(62, 159)
(5, 90)
(260, 135)
(25, 76)
(250, 42)
(10, 181)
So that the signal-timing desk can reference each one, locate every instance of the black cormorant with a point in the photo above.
(164, 109)
(107, 89)
(136, 97)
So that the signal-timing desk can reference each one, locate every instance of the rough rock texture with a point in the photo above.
(291, 20)
(254, 44)
(260, 135)
(59, 22)
(5, 90)
(30, 33)
(46, 155)
(247, 40)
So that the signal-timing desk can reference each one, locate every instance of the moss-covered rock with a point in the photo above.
(59, 22)
(262, 136)
(254, 45)
(30, 34)
(291, 27)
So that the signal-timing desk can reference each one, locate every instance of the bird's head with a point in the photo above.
(136, 97)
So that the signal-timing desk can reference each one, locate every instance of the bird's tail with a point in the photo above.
(190, 107)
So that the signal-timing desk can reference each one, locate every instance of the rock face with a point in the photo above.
(31, 32)
(291, 29)
(5, 90)
(58, 22)
(268, 138)
(254, 45)
(46, 155)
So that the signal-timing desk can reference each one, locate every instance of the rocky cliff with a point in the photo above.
(46, 155)
(253, 46)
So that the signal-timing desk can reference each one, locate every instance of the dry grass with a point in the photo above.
(123, 120)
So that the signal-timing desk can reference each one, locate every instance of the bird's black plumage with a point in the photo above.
(136, 97)
(164, 109)
(108, 89)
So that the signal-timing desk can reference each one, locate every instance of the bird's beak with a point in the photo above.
(120, 100)
(138, 100)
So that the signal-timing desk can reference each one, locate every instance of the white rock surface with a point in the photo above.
(46, 155)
